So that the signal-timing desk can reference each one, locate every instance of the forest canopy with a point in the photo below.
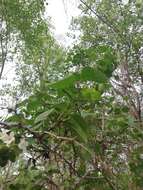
(77, 117)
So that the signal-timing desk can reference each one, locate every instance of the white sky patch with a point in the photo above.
(57, 12)
(61, 13)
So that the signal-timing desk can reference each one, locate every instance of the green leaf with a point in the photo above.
(90, 94)
(90, 74)
(87, 74)
(65, 83)
(14, 118)
(106, 65)
(44, 115)
(79, 125)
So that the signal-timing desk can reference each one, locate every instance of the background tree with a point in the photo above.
(84, 130)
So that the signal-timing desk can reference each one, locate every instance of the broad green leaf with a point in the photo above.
(66, 82)
(90, 74)
(87, 74)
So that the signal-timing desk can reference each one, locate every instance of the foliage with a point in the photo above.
(82, 127)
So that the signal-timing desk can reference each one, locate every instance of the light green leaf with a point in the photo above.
(43, 116)
(90, 94)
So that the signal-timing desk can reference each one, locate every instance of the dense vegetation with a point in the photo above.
(78, 117)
